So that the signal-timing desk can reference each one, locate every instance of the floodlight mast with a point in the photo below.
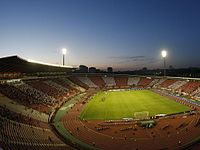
(64, 51)
(164, 54)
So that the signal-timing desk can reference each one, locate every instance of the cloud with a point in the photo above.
(134, 61)
(127, 57)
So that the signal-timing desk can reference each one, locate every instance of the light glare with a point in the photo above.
(64, 51)
(164, 53)
(43, 63)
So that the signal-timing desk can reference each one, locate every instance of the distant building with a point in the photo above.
(171, 67)
(92, 70)
(98, 71)
(144, 69)
(83, 69)
(109, 69)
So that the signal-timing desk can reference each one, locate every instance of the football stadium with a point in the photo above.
(65, 110)
(99, 75)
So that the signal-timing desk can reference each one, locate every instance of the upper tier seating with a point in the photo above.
(155, 81)
(159, 82)
(73, 85)
(121, 81)
(26, 97)
(63, 82)
(97, 80)
(133, 81)
(75, 80)
(39, 96)
(167, 83)
(196, 93)
(87, 81)
(44, 87)
(177, 84)
(190, 86)
(110, 82)
(59, 87)
(144, 82)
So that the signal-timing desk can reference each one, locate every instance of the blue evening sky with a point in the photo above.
(125, 34)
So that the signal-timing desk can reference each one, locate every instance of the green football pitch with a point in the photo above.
(113, 105)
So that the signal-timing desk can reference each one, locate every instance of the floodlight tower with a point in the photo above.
(64, 51)
(164, 54)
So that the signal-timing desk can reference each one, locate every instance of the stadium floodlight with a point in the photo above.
(64, 51)
(164, 54)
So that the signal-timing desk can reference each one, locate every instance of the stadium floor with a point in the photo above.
(114, 105)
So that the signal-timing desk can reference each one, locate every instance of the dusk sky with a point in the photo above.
(119, 33)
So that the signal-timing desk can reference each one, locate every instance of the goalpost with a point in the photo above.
(141, 115)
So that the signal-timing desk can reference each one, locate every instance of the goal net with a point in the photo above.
(141, 115)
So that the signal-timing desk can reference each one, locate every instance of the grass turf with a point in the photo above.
(113, 105)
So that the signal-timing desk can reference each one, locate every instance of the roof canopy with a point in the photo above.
(17, 64)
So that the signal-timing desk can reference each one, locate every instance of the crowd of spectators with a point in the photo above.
(8, 114)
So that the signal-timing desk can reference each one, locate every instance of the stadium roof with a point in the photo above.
(17, 64)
